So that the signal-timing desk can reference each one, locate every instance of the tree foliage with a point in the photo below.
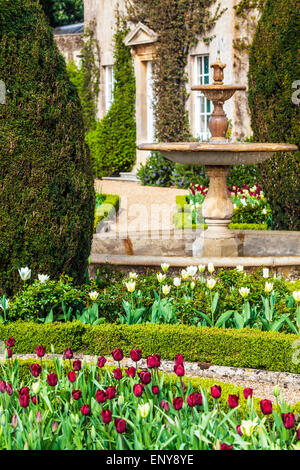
(63, 12)
(46, 180)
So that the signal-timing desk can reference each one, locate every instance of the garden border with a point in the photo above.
(223, 347)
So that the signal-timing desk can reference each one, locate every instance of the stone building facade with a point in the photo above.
(69, 41)
(228, 32)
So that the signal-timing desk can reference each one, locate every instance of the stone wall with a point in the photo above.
(70, 46)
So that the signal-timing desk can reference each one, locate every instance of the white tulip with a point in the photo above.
(210, 268)
(144, 410)
(265, 272)
(192, 270)
(296, 295)
(192, 285)
(244, 291)
(211, 283)
(165, 267)
(201, 268)
(268, 287)
(239, 268)
(130, 286)
(6, 305)
(248, 427)
(177, 281)
(43, 277)
(166, 289)
(133, 276)
(94, 295)
(184, 275)
(161, 277)
(25, 273)
(36, 387)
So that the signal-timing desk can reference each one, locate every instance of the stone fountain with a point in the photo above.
(218, 155)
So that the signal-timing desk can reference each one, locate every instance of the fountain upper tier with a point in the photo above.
(217, 153)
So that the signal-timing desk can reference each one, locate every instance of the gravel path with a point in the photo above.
(142, 207)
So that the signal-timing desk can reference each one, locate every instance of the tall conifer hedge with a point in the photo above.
(46, 180)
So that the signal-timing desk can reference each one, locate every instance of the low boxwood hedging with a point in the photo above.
(236, 348)
(108, 208)
(182, 220)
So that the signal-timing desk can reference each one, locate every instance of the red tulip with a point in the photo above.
(192, 400)
(10, 342)
(72, 376)
(52, 379)
(233, 401)
(9, 353)
(85, 410)
(101, 361)
(177, 403)
(179, 370)
(288, 420)
(35, 369)
(224, 446)
(24, 397)
(239, 430)
(199, 398)
(9, 389)
(118, 374)
(138, 390)
(179, 359)
(298, 434)
(150, 362)
(131, 372)
(165, 405)
(106, 416)
(248, 392)
(155, 390)
(35, 399)
(216, 391)
(136, 355)
(101, 396)
(266, 407)
(68, 353)
(110, 392)
(156, 358)
(145, 377)
(117, 354)
(76, 394)
(2, 386)
(120, 425)
(77, 365)
(40, 351)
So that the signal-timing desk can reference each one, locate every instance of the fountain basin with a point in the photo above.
(217, 153)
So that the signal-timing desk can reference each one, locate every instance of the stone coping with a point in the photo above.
(220, 147)
(197, 369)
(176, 261)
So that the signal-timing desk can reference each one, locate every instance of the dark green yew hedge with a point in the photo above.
(235, 348)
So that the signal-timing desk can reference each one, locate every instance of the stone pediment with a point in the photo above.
(140, 35)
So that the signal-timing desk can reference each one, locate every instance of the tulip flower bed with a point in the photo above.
(93, 407)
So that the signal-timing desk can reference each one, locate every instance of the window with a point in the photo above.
(109, 86)
(150, 98)
(202, 104)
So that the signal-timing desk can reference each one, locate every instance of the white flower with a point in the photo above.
(264, 211)
(211, 283)
(133, 276)
(130, 286)
(43, 277)
(243, 201)
(244, 291)
(25, 273)
(210, 268)
(165, 267)
(144, 410)
(94, 295)
(239, 268)
(166, 289)
(177, 281)
(296, 295)
(265, 272)
(197, 205)
(268, 287)
(121, 400)
(192, 270)
(201, 268)
(234, 206)
(192, 207)
(161, 277)
(184, 275)
(192, 285)
(36, 387)
(6, 305)
(248, 427)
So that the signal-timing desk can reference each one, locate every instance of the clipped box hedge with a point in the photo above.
(228, 347)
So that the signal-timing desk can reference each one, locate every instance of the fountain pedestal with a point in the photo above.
(217, 211)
